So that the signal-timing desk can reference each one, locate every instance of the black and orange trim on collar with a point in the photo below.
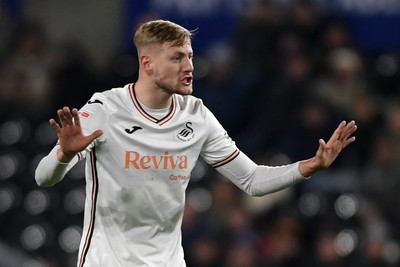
(148, 116)
(95, 190)
(228, 159)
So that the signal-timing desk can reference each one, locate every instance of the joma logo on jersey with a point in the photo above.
(134, 160)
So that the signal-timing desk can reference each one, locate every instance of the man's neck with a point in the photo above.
(152, 97)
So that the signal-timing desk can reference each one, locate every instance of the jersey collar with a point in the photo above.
(148, 116)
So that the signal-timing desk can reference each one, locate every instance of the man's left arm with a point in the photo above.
(258, 180)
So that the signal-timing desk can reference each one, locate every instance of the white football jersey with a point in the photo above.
(137, 173)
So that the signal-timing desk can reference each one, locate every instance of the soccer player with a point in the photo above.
(141, 142)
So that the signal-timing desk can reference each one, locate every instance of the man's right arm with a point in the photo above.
(71, 142)
(50, 170)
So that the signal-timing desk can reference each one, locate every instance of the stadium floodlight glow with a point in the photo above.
(346, 206)
(33, 237)
(11, 132)
(8, 166)
(74, 201)
(36, 202)
(69, 239)
(199, 171)
(391, 252)
(309, 204)
(7, 199)
(200, 199)
(346, 242)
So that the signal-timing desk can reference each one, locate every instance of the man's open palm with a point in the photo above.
(328, 152)
(70, 135)
(341, 137)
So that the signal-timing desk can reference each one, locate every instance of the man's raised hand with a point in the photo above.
(328, 152)
(70, 135)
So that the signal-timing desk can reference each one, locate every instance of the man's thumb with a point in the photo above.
(95, 134)
(321, 142)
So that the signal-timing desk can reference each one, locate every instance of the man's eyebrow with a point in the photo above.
(180, 53)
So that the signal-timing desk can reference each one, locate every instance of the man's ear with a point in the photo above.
(145, 62)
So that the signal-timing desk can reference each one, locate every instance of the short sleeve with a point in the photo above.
(218, 148)
(94, 116)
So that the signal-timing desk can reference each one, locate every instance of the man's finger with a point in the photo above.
(75, 114)
(67, 115)
(61, 116)
(322, 145)
(350, 128)
(55, 125)
(321, 142)
(338, 132)
(349, 141)
(94, 135)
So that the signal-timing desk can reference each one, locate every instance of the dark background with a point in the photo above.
(278, 75)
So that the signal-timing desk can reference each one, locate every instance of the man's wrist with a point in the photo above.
(64, 158)
(308, 167)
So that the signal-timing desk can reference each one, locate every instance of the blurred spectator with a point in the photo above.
(279, 102)
(290, 73)
(312, 121)
(334, 34)
(377, 236)
(25, 83)
(280, 246)
(261, 22)
(5, 32)
(226, 84)
(72, 76)
(343, 83)
(243, 237)
(381, 175)
(366, 111)
(241, 255)
(325, 253)
(303, 19)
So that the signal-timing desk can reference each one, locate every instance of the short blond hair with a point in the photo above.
(159, 32)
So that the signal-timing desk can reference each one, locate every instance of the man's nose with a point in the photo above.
(188, 65)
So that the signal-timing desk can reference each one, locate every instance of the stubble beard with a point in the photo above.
(171, 89)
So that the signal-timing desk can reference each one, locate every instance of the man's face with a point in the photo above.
(173, 68)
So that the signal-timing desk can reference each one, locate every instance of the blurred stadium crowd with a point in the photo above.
(286, 79)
